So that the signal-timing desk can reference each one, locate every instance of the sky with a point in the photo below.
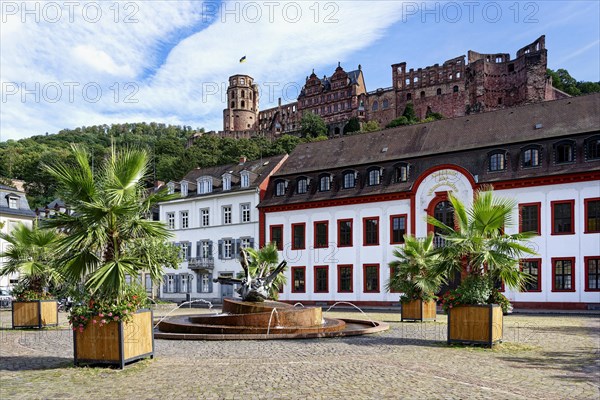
(66, 64)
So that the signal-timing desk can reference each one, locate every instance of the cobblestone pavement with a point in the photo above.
(543, 357)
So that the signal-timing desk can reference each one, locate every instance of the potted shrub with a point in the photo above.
(416, 278)
(109, 236)
(28, 254)
(479, 247)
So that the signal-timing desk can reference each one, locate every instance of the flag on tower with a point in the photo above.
(243, 59)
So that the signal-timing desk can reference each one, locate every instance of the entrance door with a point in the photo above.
(444, 212)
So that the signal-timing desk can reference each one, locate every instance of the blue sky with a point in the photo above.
(168, 61)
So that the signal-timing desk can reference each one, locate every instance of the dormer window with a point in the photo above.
(374, 176)
(170, 187)
(205, 185)
(325, 183)
(244, 179)
(13, 201)
(592, 148)
(531, 157)
(564, 152)
(184, 188)
(349, 179)
(302, 185)
(226, 182)
(497, 161)
(401, 173)
(280, 187)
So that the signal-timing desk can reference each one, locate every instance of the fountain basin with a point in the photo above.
(259, 321)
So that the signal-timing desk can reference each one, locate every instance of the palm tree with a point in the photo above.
(479, 240)
(110, 222)
(414, 269)
(263, 262)
(29, 254)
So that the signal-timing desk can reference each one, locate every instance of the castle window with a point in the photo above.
(497, 161)
(407, 82)
(250, 95)
(455, 89)
(439, 91)
(232, 104)
(243, 103)
(408, 96)
(374, 176)
(531, 157)
(302, 185)
(280, 187)
(375, 105)
(499, 100)
(242, 81)
(423, 94)
(386, 104)
(349, 179)
(457, 75)
(243, 94)
(511, 67)
(401, 173)
(325, 183)
(592, 148)
(564, 152)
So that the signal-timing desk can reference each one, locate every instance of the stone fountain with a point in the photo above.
(255, 317)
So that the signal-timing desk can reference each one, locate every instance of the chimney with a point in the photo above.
(242, 160)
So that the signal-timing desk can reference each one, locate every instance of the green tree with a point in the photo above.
(414, 272)
(109, 223)
(352, 126)
(29, 253)
(479, 239)
(312, 125)
(409, 113)
(371, 126)
(400, 121)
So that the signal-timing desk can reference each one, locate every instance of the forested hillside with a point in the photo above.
(171, 157)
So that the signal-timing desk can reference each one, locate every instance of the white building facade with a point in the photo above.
(337, 220)
(215, 217)
(14, 210)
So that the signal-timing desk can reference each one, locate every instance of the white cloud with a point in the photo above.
(158, 68)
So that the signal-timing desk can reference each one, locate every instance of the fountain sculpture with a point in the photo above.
(257, 317)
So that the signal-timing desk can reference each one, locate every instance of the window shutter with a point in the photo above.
(210, 249)
(189, 284)
(198, 249)
(189, 250)
(236, 248)
(210, 283)
(220, 249)
(252, 242)
(198, 283)
(176, 283)
(165, 283)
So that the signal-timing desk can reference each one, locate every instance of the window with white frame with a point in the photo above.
(227, 248)
(245, 211)
(205, 249)
(226, 182)
(12, 202)
(184, 250)
(170, 284)
(148, 282)
(171, 187)
(184, 188)
(185, 219)
(183, 283)
(171, 220)
(226, 215)
(205, 287)
(245, 179)
(204, 217)
(205, 185)
(245, 242)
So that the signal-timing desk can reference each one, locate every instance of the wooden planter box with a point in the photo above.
(418, 310)
(477, 324)
(34, 313)
(115, 343)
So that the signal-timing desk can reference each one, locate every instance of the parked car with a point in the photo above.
(6, 298)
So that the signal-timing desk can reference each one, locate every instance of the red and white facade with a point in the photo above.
(338, 244)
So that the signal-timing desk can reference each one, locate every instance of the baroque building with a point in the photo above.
(460, 86)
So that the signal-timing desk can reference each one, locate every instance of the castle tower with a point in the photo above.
(241, 113)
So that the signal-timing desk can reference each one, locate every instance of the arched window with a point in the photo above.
(531, 157)
(325, 183)
(408, 96)
(455, 89)
(401, 173)
(349, 179)
(564, 152)
(439, 91)
(205, 184)
(497, 161)
(375, 105)
(386, 104)
(592, 148)
(302, 185)
(226, 182)
(374, 176)
(243, 94)
(280, 187)
(422, 94)
(244, 179)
